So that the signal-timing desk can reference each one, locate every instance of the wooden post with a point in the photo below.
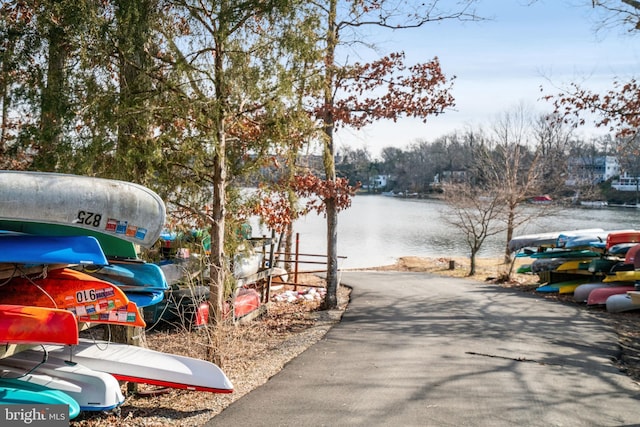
(295, 275)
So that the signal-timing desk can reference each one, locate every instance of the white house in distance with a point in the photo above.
(599, 169)
(625, 183)
(379, 181)
(592, 170)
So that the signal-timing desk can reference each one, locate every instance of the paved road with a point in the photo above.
(414, 349)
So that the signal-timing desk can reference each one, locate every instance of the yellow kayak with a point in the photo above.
(574, 264)
(623, 276)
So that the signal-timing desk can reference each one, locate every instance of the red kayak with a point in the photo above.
(21, 324)
(622, 236)
(599, 296)
(632, 254)
(246, 301)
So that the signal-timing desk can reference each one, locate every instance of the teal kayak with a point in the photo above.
(16, 392)
(562, 287)
(566, 254)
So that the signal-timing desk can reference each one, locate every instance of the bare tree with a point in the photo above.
(477, 214)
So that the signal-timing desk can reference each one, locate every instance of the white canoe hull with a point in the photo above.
(120, 209)
(137, 364)
(8, 371)
(93, 390)
(620, 303)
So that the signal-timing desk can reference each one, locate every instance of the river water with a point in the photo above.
(377, 230)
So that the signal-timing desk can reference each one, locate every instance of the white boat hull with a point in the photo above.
(93, 390)
(137, 364)
(120, 209)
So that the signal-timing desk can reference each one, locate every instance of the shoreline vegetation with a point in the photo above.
(251, 353)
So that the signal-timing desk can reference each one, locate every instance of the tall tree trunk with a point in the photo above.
(5, 95)
(53, 100)
(217, 261)
(331, 300)
(510, 222)
(134, 150)
(472, 260)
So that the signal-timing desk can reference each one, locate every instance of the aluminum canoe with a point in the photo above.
(116, 208)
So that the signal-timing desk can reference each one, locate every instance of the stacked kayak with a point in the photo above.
(68, 259)
(597, 266)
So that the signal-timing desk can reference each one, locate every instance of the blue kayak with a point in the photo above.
(29, 249)
(16, 392)
(145, 299)
(141, 276)
(112, 246)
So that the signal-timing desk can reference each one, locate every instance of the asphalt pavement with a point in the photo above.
(417, 349)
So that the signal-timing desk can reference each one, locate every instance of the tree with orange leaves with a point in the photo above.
(358, 94)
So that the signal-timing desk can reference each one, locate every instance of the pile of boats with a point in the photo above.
(599, 267)
(68, 261)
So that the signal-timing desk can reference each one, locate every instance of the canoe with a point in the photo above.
(112, 246)
(37, 377)
(622, 276)
(93, 390)
(580, 238)
(546, 264)
(64, 288)
(635, 296)
(245, 302)
(565, 287)
(599, 296)
(581, 293)
(21, 324)
(533, 240)
(27, 249)
(620, 303)
(620, 249)
(622, 236)
(566, 253)
(142, 276)
(547, 240)
(125, 316)
(576, 264)
(120, 209)
(16, 392)
(631, 255)
(601, 265)
(142, 365)
(145, 299)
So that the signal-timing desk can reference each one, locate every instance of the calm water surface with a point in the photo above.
(377, 230)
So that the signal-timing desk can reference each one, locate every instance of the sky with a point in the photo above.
(502, 63)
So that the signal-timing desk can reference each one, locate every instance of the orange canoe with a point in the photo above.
(21, 324)
(77, 292)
